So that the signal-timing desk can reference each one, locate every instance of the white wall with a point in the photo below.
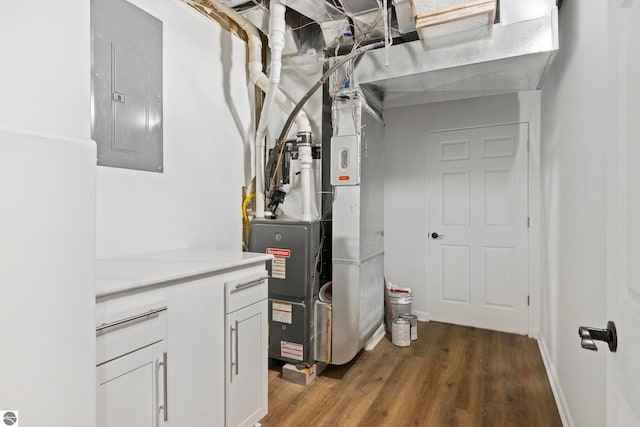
(406, 177)
(197, 200)
(45, 73)
(47, 214)
(573, 151)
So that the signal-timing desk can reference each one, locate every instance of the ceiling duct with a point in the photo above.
(510, 55)
(497, 59)
(342, 22)
(405, 20)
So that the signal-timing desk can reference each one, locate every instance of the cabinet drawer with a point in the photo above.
(123, 329)
(245, 291)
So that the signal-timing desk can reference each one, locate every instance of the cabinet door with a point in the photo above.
(246, 396)
(196, 343)
(131, 389)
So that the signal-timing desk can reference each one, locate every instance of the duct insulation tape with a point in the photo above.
(401, 332)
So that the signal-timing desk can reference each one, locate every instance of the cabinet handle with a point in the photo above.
(165, 391)
(166, 386)
(241, 286)
(231, 351)
(237, 355)
(143, 316)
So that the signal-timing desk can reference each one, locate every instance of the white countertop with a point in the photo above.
(125, 273)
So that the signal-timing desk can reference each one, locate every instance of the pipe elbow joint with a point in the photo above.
(303, 123)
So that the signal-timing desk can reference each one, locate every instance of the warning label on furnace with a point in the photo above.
(291, 350)
(281, 312)
(279, 268)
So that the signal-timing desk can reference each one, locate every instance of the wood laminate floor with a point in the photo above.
(452, 376)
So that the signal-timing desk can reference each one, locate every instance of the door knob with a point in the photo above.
(588, 336)
(437, 236)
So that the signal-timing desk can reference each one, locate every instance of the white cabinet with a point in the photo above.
(209, 321)
(246, 355)
(132, 364)
(130, 389)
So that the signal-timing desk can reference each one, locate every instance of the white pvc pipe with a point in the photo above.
(306, 159)
(258, 78)
(277, 27)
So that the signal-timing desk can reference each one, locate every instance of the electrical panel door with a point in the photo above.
(127, 86)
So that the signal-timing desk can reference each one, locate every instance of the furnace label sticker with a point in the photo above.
(281, 312)
(291, 350)
(279, 263)
(279, 268)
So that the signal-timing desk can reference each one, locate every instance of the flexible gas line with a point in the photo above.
(244, 209)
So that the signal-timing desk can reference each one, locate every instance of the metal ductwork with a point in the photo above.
(484, 61)
(511, 55)
(341, 22)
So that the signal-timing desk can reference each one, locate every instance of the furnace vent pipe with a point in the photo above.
(276, 43)
(306, 160)
(258, 78)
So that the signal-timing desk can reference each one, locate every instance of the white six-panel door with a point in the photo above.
(623, 215)
(477, 267)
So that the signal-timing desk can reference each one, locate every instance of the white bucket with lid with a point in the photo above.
(400, 302)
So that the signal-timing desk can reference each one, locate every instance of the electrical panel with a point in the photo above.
(127, 86)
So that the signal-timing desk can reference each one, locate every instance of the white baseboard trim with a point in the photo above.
(375, 338)
(534, 333)
(423, 316)
(561, 402)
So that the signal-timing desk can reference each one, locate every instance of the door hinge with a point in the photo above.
(528, 301)
(528, 222)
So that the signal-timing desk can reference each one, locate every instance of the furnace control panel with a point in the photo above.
(345, 160)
